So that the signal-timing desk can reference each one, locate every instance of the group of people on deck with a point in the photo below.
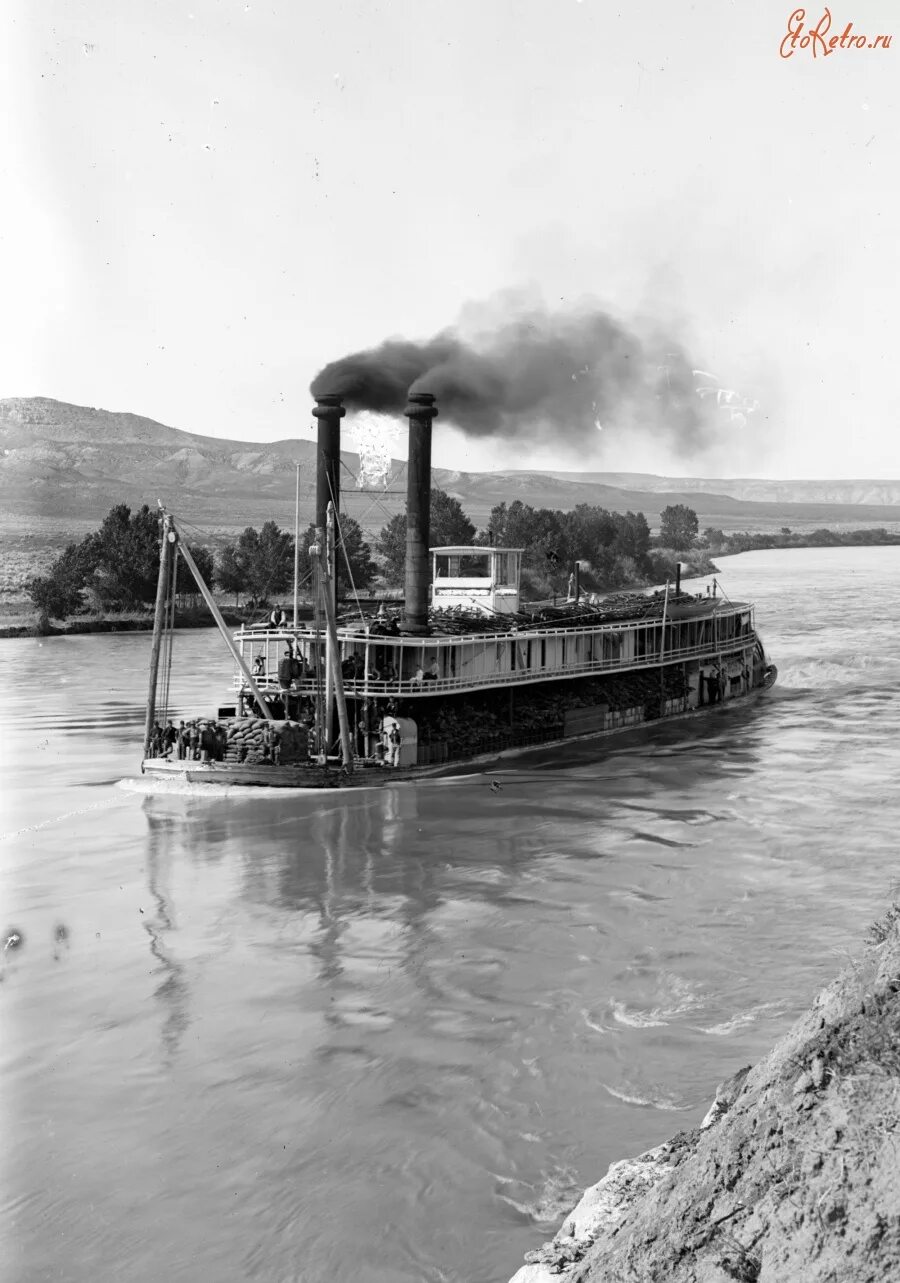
(353, 669)
(193, 741)
(293, 668)
(431, 674)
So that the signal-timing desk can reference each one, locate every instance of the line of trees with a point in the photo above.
(112, 569)
(448, 525)
(260, 563)
(614, 546)
(720, 543)
(116, 567)
(615, 549)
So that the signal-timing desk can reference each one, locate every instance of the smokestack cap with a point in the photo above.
(421, 406)
(328, 406)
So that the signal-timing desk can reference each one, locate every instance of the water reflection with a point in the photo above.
(371, 887)
(173, 992)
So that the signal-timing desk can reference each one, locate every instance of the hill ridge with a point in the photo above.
(68, 463)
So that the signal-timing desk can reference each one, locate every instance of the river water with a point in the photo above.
(388, 1036)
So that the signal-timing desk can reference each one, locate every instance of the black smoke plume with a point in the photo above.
(566, 373)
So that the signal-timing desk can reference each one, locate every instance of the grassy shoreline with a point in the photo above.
(27, 624)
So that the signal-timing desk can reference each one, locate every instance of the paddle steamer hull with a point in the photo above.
(369, 773)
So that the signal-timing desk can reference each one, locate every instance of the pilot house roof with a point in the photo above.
(459, 550)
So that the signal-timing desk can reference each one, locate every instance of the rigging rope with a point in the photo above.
(718, 582)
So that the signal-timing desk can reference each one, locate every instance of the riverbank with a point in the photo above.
(27, 625)
(793, 1174)
(728, 545)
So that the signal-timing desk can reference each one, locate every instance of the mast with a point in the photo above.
(296, 542)
(159, 614)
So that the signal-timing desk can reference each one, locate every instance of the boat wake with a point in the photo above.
(816, 674)
(105, 805)
(147, 786)
(177, 786)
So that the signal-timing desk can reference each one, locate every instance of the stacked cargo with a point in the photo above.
(257, 741)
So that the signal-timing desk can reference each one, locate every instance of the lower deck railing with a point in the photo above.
(408, 687)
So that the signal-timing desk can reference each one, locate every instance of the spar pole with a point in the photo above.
(159, 614)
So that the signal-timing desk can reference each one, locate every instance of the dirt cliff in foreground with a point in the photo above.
(793, 1176)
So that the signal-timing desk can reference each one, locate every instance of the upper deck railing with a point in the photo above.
(406, 687)
(359, 634)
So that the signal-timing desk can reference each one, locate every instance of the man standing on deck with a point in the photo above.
(394, 741)
(285, 678)
(298, 668)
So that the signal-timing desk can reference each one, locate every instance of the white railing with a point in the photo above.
(407, 687)
(357, 636)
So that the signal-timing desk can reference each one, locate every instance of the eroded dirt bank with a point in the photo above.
(793, 1176)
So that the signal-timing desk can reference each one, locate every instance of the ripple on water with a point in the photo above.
(545, 1201)
(741, 1019)
(647, 1098)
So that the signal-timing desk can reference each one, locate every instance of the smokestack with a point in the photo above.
(420, 412)
(329, 412)
(677, 577)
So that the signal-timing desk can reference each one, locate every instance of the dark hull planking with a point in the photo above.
(228, 774)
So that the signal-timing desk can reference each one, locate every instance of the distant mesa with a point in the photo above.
(67, 463)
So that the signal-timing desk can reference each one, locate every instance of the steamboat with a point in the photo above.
(462, 676)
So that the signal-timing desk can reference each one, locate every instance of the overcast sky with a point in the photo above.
(205, 201)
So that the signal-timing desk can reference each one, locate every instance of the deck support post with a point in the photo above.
(367, 718)
(662, 651)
